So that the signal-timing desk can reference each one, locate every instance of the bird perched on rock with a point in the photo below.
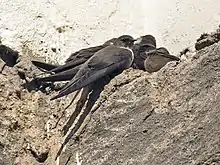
(73, 63)
(149, 58)
(109, 59)
(157, 58)
(143, 44)
(75, 59)
(84, 54)
(92, 76)
(8, 55)
(147, 40)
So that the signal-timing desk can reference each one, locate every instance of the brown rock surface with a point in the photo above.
(168, 117)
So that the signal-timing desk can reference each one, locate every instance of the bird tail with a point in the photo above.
(61, 76)
(45, 67)
(80, 82)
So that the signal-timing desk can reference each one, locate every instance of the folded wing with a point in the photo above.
(61, 76)
(102, 63)
(44, 66)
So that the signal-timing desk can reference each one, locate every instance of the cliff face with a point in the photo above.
(168, 117)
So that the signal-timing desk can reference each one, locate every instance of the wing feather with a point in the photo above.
(102, 63)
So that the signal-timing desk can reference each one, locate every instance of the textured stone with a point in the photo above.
(168, 117)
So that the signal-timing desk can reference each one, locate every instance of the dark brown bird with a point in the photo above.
(158, 58)
(147, 40)
(67, 71)
(92, 76)
(8, 55)
(44, 67)
(75, 59)
(60, 76)
(147, 57)
(143, 44)
(107, 60)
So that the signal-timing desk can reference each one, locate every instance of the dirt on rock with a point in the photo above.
(29, 121)
(170, 117)
(207, 39)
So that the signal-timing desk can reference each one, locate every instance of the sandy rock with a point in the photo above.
(168, 117)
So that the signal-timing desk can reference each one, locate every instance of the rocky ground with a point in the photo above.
(168, 117)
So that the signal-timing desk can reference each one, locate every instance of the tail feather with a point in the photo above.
(61, 76)
(69, 65)
(44, 66)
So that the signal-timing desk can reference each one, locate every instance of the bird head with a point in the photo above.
(126, 41)
(146, 40)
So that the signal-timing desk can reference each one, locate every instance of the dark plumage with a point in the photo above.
(8, 55)
(75, 59)
(90, 94)
(110, 59)
(143, 44)
(44, 67)
(158, 58)
(92, 76)
(147, 40)
(60, 76)
(149, 58)
(89, 70)
(69, 69)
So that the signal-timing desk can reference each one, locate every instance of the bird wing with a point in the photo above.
(61, 76)
(102, 63)
(84, 53)
(163, 54)
(69, 65)
(143, 50)
(44, 66)
(77, 58)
